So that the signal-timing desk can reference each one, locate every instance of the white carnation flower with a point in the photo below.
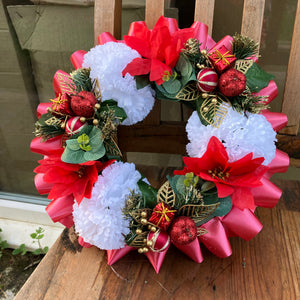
(99, 220)
(107, 63)
(240, 135)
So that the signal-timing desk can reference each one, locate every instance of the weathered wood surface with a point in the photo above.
(291, 103)
(107, 17)
(267, 267)
(204, 12)
(252, 22)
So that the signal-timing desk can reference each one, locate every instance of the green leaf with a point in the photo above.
(109, 102)
(141, 81)
(40, 236)
(4, 245)
(185, 68)
(16, 251)
(148, 192)
(113, 105)
(45, 250)
(172, 86)
(37, 251)
(207, 185)
(257, 78)
(33, 235)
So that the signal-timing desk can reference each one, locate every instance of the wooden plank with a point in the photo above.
(267, 267)
(291, 103)
(252, 21)
(169, 137)
(154, 9)
(204, 12)
(107, 18)
(155, 115)
(65, 2)
(289, 144)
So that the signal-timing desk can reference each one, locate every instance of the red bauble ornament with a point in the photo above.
(183, 230)
(232, 83)
(74, 125)
(83, 104)
(207, 80)
(61, 104)
(160, 240)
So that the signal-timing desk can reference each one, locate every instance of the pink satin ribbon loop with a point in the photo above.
(77, 58)
(156, 258)
(192, 250)
(61, 209)
(42, 109)
(83, 243)
(42, 186)
(114, 255)
(173, 26)
(225, 41)
(105, 37)
(277, 120)
(242, 223)
(279, 164)
(216, 240)
(136, 26)
(266, 195)
(201, 33)
(51, 146)
(271, 91)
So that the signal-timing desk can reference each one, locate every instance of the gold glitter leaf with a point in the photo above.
(189, 92)
(136, 214)
(197, 212)
(66, 84)
(97, 90)
(213, 110)
(201, 231)
(243, 65)
(166, 194)
(138, 241)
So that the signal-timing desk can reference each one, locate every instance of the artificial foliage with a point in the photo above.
(231, 150)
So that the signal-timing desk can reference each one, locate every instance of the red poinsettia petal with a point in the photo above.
(158, 69)
(58, 175)
(138, 66)
(91, 173)
(243, 198)
(60, 190)
(171, 56)
(245, 165)
(101, 166)
(160, 39)
(140, 45)
(79, 190)
(224, 190)
(192, 165)
(183, 35)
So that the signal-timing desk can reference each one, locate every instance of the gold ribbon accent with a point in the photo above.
(163, 213)
(222, 57)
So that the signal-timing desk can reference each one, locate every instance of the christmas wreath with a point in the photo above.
(232, 152)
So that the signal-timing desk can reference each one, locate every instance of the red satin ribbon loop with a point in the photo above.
(77, 58)
(216, 240)
(51, 146)
(242, 223)
(105, 37)
(277, 120)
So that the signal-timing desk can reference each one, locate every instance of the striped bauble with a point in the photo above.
(74, 125)
(207, 80)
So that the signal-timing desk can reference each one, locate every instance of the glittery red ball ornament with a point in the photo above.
(183, 230)
(83, 104)
(232, 83)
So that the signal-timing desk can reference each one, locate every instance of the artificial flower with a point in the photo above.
(106, 63)
(70, 179)
(240, 134)
(99, 220)
(231, 178)
(159, 49)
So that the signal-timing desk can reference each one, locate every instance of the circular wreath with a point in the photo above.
(232, 152)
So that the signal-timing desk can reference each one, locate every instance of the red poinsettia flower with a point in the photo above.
(67, 179)
(231, 178)
(159, 49)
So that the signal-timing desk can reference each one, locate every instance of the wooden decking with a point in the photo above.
(267, 267)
